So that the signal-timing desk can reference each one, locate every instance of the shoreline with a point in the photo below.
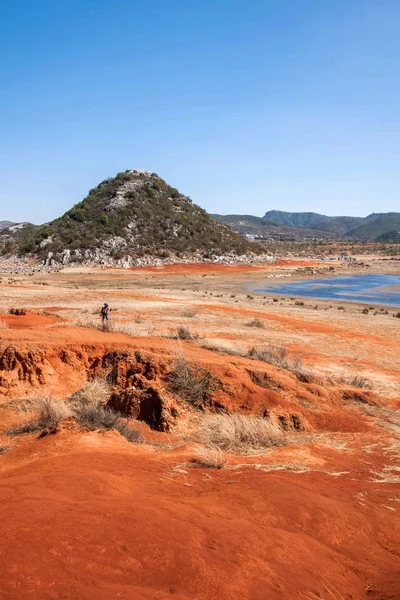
(270, 285)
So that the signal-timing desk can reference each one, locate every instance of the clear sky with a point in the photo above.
(245, 105)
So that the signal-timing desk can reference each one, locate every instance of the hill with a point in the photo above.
(310, 220)
(135, 214)
(379, 227)
(262, 228)
(384, 227)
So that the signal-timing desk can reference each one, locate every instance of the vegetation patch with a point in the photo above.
(277, 356)
(256, 322)
(192, 382)
(45, 412)
(241, 434)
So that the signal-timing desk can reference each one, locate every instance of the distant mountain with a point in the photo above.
(379, 227)
(374, 227)
(278, 224)
(260, 228)
(131, 216)
(334, 225)
(5, 224)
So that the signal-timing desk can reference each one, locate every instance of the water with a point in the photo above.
(368, 289)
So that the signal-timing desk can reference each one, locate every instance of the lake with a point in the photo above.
(368, 289)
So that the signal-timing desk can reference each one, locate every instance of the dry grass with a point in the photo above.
(223, 347)
(89, 321)
(126, 328)
(189, 313)
(209, 458)
(184, 333)
(95, 392)
(358, 381)
(277, 356)
(94, 417)
(5, 443)
(129, 433)
(191, 381)
(45, 411)
(240, 434)
(256, 322)
(3, 324)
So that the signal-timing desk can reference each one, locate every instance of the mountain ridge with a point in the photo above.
(374, 227)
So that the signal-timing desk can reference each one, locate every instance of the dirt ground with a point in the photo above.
(88, 515)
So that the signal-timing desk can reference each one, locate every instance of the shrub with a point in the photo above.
(46, 412)
(357, 381)
(5, 445)
(129, 433)
(277, 356)
(184, 333)
(95, 392)
(189, 313)
(191, 381)
(365, 311)
(209, 458)
(256, 322)
(299, 303)
(95, 417)
(239, 433)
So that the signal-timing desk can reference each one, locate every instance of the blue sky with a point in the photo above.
(246, 106)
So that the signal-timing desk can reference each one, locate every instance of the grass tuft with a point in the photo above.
(209, 458)
(191, 381)
(256, 322)
(46, 411)
(241, 434)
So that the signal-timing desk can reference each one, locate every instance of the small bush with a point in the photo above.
(95, 417)
(191, 381)
(129, 433)
(184, 333)
(95, 392)
(189, 313)
(277, 356)
(46, 412)
(397, 315)
(357, 381)
(209, 458)
(365, 311)
(5, 445)
(239, 433)
(299, 303)
(256, 322)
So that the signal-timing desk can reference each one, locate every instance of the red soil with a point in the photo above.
(28, 321)
(89, 516)
(197, 268)
(92, 516)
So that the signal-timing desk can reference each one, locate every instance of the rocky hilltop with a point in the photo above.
(132, 219)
